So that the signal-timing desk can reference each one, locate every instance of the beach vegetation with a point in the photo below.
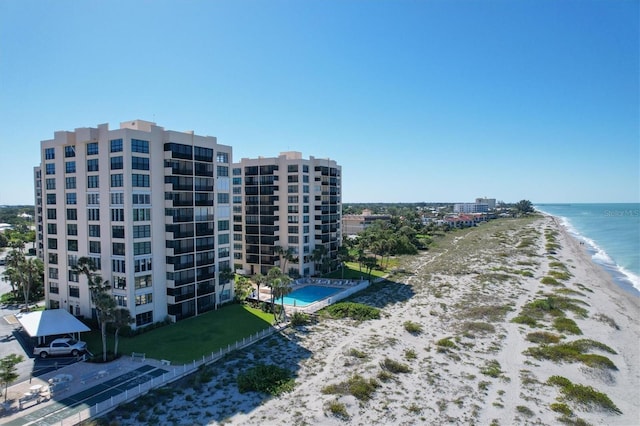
(299, 319)
(607, 320)
(549, 281)
(491, 313)
(526, 320)
(356, 385)
(523, 207)
(385, 375)
(584, 287)
(566, 325)
(556, 264)
(353, 310)
(491, 368)
(543, 337)
(412, 327)
(524, 410)
(562, 408)
(357, 353)
(568, 291)
(585, 396)
(575, 351)
(266, 378)
(410, 354)
(560, 275)
(447, 343)
(469, 328)
(573, 421)
(394, 367)
(338, 409)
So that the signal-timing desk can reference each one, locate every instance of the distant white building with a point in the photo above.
(470, 208)
(491, 202)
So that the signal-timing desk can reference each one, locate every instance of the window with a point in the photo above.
(69, 151)
(223, 238)
(222, 157)
(292, 178)
(53, 273)
(117, 163)
(141, 265)
(72, 214)
(138, 145)
(292, 199)
(142, 281)
(71, 198)
(120, 300)
(141, 248)
(305, 168)
(74, 291)
(72, 229)
(93, 181)
(141, 198)
(118, 265)
(117, 249)
(117, 215)
(93, 214)
(50, 169)
(292, 219)
(51, 198)
(49, 154)
(70, 182)
(52, 243)
(116, 145)
(93, 199)
(97, 261)
(51, 183)
(143, 299)
(70, 167)
(203, 154)
(92, 165)
(292, 209)
(223, 198)
(140, 180)
(72, 276)
(116, 181)
(72, 260)
(293, 239)
(53, 259)
(92, 148)
(117, 198)
(94, 230)
(142, 231)
(293, 229)
(292, 168)
(120, 283)
(52, 228)
(72, 245)
(223, 170)
(53, 287)
(94, 246)
(293, 189)
(223, 252)
(140, 215)
(117, 231)
(144, 318)
(140, 163)
(223, 225)
(51, 214)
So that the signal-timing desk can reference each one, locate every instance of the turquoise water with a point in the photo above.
(610, 231)
(309, 294)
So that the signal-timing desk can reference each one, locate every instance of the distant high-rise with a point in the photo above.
(151, 208)
(286, 212)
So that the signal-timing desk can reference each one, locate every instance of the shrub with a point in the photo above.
(413, 327)
(356, 385)
(525, 319)
(524, 410)
(394, 366)
(446, 342)
(566, 325)
(491, 369)
(357, 311)
(338, 410)
(356, 353)
(561, 408)
(574, 352)
(269, 379)
(583, 395)
(549, 281)
(607, 320)
(478, 327)
(560, 275)
(299, 319)
(410, 354)
(543, 337)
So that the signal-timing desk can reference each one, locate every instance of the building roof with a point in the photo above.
(50, 322)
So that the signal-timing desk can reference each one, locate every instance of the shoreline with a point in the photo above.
(469, 363)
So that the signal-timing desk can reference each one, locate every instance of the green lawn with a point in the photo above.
(191, 338)
(352, 272)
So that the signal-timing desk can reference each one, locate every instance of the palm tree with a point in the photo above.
(259, 279)
(121, 318)
(342, 257)
(280, 287)
(32, 272)
(8, 371)
(105, 308)
(225, 275)
(286, 254)
(318, 254)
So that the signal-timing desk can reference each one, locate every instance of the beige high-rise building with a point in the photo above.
(151, 208)
(286, 204)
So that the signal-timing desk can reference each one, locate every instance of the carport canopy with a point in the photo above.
(50, 322)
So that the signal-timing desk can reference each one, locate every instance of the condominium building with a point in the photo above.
(151, 207)
(353, 224)
(490, 202)
(470, 208)
(286, 204)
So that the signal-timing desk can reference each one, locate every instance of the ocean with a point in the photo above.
(611, 233)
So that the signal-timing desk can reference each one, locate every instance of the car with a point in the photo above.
(64, 346)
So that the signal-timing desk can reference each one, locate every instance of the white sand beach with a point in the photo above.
(467, 290)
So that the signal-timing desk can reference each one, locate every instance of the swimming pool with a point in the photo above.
(309, 294)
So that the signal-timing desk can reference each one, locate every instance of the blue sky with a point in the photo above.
(416, 100)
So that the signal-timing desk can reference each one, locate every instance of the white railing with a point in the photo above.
(177, 372)
(316, 306)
